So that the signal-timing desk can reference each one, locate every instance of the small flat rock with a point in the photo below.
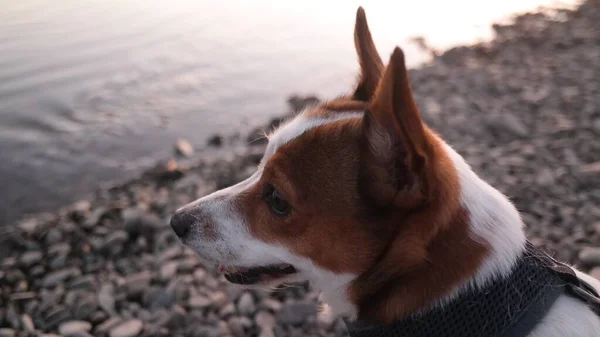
(200, 274)
(107, 325)
(595, 273)
(168, 270)
(115, 241)
(597, 227)
(170, 253)
(23, 296)
(245, 304)
(183, 147)
(30, 258)
(592, 168)
(130, 328)
(265, 320)
(296, 313)
(590, 256)
(514, 125)
(106, 299)
(59, 276)
(136, 283)
(85, 282)
(218, 299)
(271, 304)
(6, 332)
(199, 302)
(27, 323)
(71, 327)
(237, 326)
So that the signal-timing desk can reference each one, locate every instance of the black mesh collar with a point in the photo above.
(508, 307)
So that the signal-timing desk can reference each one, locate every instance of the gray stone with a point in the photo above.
(23, 296)
(59, 276)
(30, 258)
(199, 302)
(590, 256)
(115, 241)
(59, 249)
(265, 320)
(71, 327)
(595, 273)
(107, 325)
(137, 283)
(106, 299)
(218, 299)
(296, 313)
(183, 148)
(270, 304)
(168, 270)
(130, 328)
(227, 310)
(245, 305)
(27, 323)
(86, 282)
(6, 332)
(237, 326)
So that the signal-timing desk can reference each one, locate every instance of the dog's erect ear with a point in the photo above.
(398, 145)
(371, 65)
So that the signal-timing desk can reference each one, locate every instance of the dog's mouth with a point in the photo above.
(254, 275)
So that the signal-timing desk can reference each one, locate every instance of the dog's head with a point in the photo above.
(348, 194)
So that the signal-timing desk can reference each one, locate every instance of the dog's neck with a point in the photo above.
(493, 222)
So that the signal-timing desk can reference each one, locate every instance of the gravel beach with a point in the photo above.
(524, 110)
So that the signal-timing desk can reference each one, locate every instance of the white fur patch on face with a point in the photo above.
(296, 127)
(232, 243)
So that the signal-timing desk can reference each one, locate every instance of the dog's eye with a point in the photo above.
(277, 203)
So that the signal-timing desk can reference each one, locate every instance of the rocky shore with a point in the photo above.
(523, 109)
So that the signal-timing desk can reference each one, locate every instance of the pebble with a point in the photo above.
(130, 328)
(270, 304)
(115, 241)
(168, 270)
(199, 302)
(71, 327)
(590, 256)
(107, 325)
(106, 299)
(30, 258)
(23, 296)
(137, 283)
(27, 323)
(59, 276)
(595, 273)
(296, 313)
(245, 304)
(265, 320)
(183, 147)
(6, 332)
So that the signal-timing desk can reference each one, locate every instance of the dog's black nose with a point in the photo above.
(181, 222)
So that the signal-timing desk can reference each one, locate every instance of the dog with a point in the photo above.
(358, 196)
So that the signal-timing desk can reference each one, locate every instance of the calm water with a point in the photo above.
(93, 91)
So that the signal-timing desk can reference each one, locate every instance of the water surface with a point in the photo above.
(92, 92)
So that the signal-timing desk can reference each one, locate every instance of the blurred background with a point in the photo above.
(92, 92)
(115, 113)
